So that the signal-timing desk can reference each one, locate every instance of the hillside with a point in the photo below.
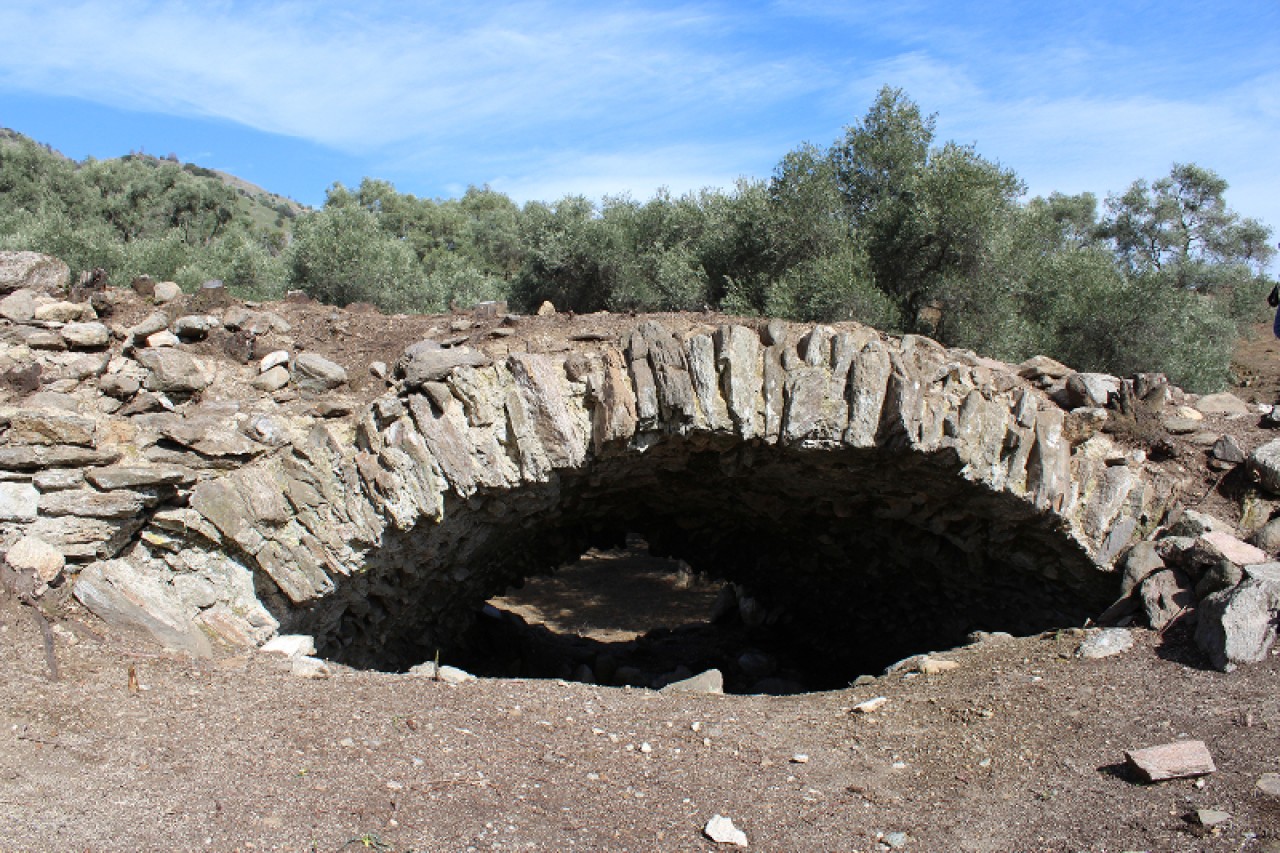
(261, 206)
(926, 237)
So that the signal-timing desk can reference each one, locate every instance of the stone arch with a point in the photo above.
(880, 491)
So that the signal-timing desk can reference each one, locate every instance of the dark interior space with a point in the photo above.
(847, 560)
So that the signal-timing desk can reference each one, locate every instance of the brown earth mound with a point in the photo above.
(109, 745)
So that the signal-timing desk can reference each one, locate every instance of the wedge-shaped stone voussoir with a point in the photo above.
(677, 404)
(444, 433)
(868, 386)
(741, 377)
(613, 412)
(713, 414)
(540, 381)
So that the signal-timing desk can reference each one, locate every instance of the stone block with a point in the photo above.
(1179, 760)
(91, 335)
(313, 372)
(173, 371)
(18, 502)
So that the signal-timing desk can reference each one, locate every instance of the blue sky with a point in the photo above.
(544, 99)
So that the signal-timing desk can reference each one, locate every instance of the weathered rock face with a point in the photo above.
(882, 494)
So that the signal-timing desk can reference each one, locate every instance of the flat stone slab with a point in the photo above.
(426, 361)
(1240, 553)
(131, 476)
(87, 503)
(1180, 760)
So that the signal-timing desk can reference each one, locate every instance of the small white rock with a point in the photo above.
(32, 554)
(721, 830)
(309, 667)
(1105, 643)
(871, 705)
(447, 674)
(290, 645)
(273, 359)
(162, 339)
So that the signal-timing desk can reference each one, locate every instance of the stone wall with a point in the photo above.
(869, 488)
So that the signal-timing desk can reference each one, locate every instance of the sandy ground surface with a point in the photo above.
(1019, 749)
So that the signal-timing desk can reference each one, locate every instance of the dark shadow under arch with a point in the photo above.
(866, 555)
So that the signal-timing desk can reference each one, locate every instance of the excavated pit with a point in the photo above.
(849, 559)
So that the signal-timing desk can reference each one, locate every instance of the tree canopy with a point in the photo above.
(887, 226)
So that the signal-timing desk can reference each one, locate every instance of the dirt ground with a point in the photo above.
(1021, 748)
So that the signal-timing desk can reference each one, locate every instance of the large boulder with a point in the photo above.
(1264, 464)
(1238, 625)
(33, 270)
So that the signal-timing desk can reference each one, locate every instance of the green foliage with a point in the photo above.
(1180, 229)
(340, 256)
(460, 284)
(570, 257)
(134, 215)
(887, 226)
(926, 218)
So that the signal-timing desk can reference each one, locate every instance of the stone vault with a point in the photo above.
(878, 491)
(883, 494)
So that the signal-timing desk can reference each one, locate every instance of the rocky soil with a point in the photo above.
(1005, 744)
(1020, 748)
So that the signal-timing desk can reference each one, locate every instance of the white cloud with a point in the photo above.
(639, 173)
(547, 97)
(380, 79)
(1059, 134)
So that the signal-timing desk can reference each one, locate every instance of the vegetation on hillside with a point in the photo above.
(885, 226)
